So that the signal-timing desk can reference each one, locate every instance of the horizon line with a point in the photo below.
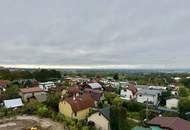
(95, 66)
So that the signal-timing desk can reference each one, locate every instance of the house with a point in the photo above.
(56, 89)
(158, 87)
(172, 103)
(97, 95)
(13, 103)
(148, 95)
(101, 119)
(46, 85)
(76, 107)
(95, 86)
(33, 92)
(129, 93)
(168, 123)
(4, 83)
(73, 91)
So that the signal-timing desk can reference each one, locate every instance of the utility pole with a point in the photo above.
(147, 109)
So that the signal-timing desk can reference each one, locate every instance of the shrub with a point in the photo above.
(133, 106)
(43, 112)
(31, 107)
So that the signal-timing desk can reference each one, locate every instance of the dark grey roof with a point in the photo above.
(149, 92)
(163, 109)
(105, 112)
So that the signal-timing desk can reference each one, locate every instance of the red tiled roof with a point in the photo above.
(81, 102)
(73, 90)
(31, 90)
(96, 94)
(173, 123)
(4, 82)
(132, 88)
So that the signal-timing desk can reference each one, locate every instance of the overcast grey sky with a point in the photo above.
(149, 33)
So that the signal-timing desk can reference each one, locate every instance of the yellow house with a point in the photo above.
(101, 119)
(76, 107)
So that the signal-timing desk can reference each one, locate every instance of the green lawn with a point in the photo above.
(134, 115)
(132, 124)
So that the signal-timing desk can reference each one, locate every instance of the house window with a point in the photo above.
(75, 114)
(99, 114)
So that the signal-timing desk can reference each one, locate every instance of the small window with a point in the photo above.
(140, 95)
(75, 114)
(99, 114)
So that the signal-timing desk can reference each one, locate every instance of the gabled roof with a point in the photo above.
(73, 90)
(174, 123)
(80, 102)
(31, 90)
(12, 103)
(149, 92)
(3, 83)
(96, 94)
(132, 88)
(105, 112)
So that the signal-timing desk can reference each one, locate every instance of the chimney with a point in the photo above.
(74, 98)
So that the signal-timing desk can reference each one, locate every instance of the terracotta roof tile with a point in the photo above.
(173, 123)
(96, 94)
(31, 90)
(81, 102)
(132, 88)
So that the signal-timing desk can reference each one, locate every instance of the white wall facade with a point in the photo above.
(26, 96)
(172, 103)
(149, 98)
(46, 85)
(126, 94)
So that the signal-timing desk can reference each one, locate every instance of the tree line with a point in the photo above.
(40, 75)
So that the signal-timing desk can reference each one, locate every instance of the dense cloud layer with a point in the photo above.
(85, 32)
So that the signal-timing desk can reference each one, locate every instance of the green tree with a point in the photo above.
(32, 106)
(11, 92)
(53, 100)
(109, 96)
(43, 111)
(183, 92)
(117, 101)
(133, 106)
(163, 97)
(118, 118)
(184, 106)
(116, 77)
(45, 75)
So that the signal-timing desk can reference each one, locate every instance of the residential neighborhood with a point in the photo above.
(94, 64)
(96, 102)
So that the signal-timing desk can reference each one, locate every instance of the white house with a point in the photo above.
(172, 103)
(46, 85)
(129, 93)
(101, 119)
(33, 92)
(158, 87)
(149, 95)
